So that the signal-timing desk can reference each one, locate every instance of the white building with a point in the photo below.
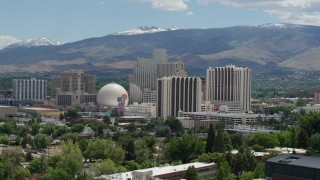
(148, 110)
(315, 108)
(205, 171)
(29, 89)
(193, 119)
(229, 86)
(178, 93)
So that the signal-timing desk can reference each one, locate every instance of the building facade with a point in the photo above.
(29, 89)
(176, 94)
(147, 71)
(148, 110)
(72, 81)
(229, 86)
(74, 88)
(292, 166)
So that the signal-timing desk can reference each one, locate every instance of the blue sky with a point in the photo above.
(73, 20)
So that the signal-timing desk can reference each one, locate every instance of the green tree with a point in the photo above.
(224, 172)
(35, 128)
(247, 176)
(61, 117)
(4, 139)
(106, 166)
(72, 114)
(212, 157)
(303, 139)
(41, 141)
(293, 136)
(48, 130)
(12, 158)
(103, 149)
(243, 161)
(174, 124)
(37, 165)
(21, 173)
(28, 156)
(131, 127)
(227, 141)
(141, 150)
(266, 140)
(77, 128)
(219, 145)
(259, 171)
(191, 174)
(57, 174)
(311, 123)
(301, 102)
(185, 148)
(60, 130)
(237, 140)
(315, 142)
(74, 137)
(132, 165)
(71, 158)
(210, 139)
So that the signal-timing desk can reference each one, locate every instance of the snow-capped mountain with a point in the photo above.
(277, 25)
(35, 42)
(145, 30)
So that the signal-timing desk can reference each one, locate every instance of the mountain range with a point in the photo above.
(262, 48)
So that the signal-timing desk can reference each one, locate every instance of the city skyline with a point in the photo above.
(69, 21)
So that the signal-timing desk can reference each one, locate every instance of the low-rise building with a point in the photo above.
(312, 108)
(292, 166)
(148, 110)
(6, 111)
(43, 112)
(205, 171)
(228, 117)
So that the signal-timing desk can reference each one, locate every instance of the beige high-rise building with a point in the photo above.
(229, 86)
(73, 87)
(176, 94)
(72, 81)
(148, 70)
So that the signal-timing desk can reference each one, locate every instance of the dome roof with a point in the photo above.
(110, 94)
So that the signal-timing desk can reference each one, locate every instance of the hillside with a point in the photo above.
(286, 46)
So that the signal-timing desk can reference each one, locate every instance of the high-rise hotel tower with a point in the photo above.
(143, 81)
(29, 89)
(178, 93)
(229, 86)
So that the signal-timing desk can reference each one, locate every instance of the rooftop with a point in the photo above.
(156, 171)
(297, 160)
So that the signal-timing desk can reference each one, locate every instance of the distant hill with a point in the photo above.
(263, 48)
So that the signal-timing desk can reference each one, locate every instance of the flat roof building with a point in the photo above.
(205, 170)
(292, 166)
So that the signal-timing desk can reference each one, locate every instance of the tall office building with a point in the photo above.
(29, 89)
(229, 86)
(72, 81)
(148, 70)
(160, 55)
(171, 69)
(73, 88)
(178, 93)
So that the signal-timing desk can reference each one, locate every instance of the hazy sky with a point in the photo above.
(72, 20)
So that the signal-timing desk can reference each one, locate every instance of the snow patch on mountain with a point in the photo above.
(277, 25)
(145, 30)
(35, 42)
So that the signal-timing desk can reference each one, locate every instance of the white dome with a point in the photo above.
(110, 93)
